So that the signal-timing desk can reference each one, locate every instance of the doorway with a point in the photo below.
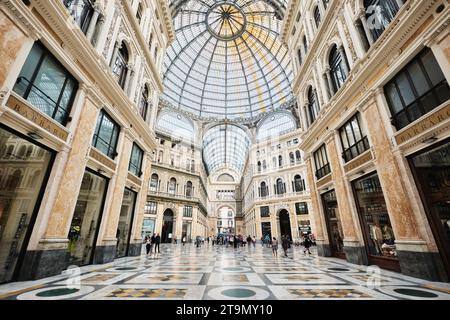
(167, 228)
(333, 222)
(285, 224)
(125, 223)
(431, 170)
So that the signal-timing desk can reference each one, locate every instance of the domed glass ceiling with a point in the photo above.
(227, 61)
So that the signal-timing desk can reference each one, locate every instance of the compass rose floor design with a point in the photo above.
(220, 273)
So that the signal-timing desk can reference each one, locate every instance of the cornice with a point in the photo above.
(168, 22)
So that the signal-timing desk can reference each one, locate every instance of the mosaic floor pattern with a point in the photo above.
(210, 273)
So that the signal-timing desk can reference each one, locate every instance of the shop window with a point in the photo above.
(301, 208)
(417, 89)
(187, 211)
(123, 233)
(323, 167)
(354, 140)
(106, 135)
(265, 212)
(150, 207)
(46, 84)
(135, 165)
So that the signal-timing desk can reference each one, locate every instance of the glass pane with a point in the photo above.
(125, 223)
(394, 98)
(376, 223)
(28, 69)
(432, 67)
(405, 89)
(86, 218)
(418, 78)
(21, 184)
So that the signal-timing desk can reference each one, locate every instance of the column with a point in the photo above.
(329, 81)
(413, 253)
(107, 241)
(93, 23)
(293, 220)
(344, 59)
(353, 247)
(178, 222)
(115, 54)
(325, 84)
(362, 17)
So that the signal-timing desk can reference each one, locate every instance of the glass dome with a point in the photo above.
(227, 61)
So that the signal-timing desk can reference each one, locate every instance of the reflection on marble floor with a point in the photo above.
(227, 274)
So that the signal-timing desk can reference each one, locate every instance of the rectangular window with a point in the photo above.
(150, 207)
(46, 84)
(416, 90)
(187, 211)
(135, 166)
(301, 208)
(106, 135)
(265, 212)
(321, 161)
(353, 138)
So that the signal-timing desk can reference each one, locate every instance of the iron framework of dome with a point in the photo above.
(227, 61)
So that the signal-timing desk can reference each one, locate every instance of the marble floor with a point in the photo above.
(220, 273)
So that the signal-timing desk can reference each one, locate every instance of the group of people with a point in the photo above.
(152, 243)
(236, 241)
(286, 244)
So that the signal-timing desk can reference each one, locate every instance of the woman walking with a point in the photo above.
(285, 244)
(275, 247)
(148, 244)
(307, 243)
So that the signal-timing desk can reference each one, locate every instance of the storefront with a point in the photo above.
(125, 222)
(24, 171)
(377, 230)
(431, 170)
(148, 227)
(334, 227)
(266, 230)
(186, 230)
(87, 217)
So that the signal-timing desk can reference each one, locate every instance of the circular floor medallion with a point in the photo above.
(233, 269)
(56, 293)
(238, 293)
(413, 293)
(125, 269)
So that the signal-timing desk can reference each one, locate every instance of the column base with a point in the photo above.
(323, 250)
(104, 254)
(135, 249)
(424, 265)
(38, 264)
(356, 255)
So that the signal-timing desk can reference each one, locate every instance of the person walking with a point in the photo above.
(152, 242)
(275, 247)
(175, 239)
(148, 245)
(183, 240)
(254, 242)
(285, 245)
(307, 244)
(157, 242)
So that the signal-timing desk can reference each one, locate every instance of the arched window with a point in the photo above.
(189, 189)
(291, 158)
(325, 3)
(172, 187)
(274, 161)
(379, 14)
(317, 17)
(280, 161)
(120, 67)
(143, 105)
(177, 125)
(263, 190)
(154, 182)
(276, 125)
(22, 152)
(29, 151)
(298, 156)
(299, 183)
(313, 105)
(280, 187)
(259, 166)
(337, 68)
(299, 54)
(82, 11)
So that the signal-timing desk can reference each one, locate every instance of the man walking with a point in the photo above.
(157, 242)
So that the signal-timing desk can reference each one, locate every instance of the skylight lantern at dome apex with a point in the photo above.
(227, 62)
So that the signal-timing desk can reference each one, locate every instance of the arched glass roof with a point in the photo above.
(225, 146)
(275, 125)
(176, 125)
(227, 61)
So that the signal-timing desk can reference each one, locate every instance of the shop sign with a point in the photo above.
(37, 117)
(359, 161)
(429, 122)
(96, 155)
(324, 181)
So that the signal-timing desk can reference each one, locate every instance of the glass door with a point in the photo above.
(86, 219)
(125, 222)
(24, 169)
(334, 227)
(432, 173)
